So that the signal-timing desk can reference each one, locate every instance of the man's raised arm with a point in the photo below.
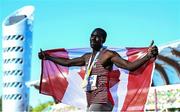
(131, 66)
(80, 61)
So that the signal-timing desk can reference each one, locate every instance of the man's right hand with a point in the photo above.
(42, 55)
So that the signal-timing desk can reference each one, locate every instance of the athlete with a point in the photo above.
(98, 64)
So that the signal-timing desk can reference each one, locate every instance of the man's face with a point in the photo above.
(96, 40)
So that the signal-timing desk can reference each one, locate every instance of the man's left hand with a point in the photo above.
(152, 52)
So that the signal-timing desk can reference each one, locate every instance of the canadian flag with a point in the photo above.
(128, 90)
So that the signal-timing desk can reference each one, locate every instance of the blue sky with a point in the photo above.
(68, 24)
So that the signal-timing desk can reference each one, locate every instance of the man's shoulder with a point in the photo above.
(110, 52)
(87, 54)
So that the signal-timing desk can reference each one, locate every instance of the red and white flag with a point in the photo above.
(128, 90)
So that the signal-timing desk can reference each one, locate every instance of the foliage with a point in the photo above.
(41, 107)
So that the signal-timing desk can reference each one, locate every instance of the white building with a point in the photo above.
(17, 45)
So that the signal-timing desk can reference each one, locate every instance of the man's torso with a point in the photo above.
(101, 68)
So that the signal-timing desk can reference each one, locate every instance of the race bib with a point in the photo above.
(91, 85)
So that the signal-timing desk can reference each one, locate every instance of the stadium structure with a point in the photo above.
(167, 67)
(164, 95)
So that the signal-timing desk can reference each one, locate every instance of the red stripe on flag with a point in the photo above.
(138, 83)
(53, 79)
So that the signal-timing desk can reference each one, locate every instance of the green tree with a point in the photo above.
(30, 108)
(41, 107)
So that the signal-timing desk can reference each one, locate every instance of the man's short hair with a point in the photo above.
(102, 32)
